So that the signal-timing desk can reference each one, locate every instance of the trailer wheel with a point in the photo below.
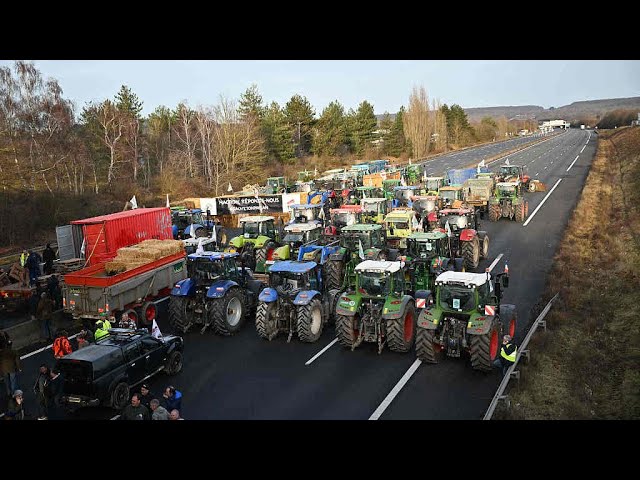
(309, 321)
(484, 348)
(149, 312)
(228, 313)
(401, 331)
(266, 321)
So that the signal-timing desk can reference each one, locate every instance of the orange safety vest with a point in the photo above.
(61, 347)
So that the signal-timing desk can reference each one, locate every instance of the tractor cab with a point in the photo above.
(379, 279)
(399, 225)
(412, 173)
(343, 217)
(451, 196)
(373, 210)
(367, 192)
(305, 176)
(289, 277)
(207, 267)
(306, 213)
(295, 236)
(433, 185)
(276, 185)
(511, 172)
(188, 222)
(402, 195)
(458, 219)
(424, 204)
(367, 235)
(425, 246)
(258, 225)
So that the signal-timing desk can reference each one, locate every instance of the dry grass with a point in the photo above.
(588, 365)
(147, 251)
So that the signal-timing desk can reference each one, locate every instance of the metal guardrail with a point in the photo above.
(522, 350)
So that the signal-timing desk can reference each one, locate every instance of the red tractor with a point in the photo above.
(342, 217)
(467, 240)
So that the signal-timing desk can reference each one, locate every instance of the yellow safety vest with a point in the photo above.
(511, 358)
(101, 333)
(23, 260)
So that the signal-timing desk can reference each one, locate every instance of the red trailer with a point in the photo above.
(104, 235)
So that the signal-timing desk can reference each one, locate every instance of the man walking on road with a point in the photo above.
(507, 357)
(43, 314)
(39, 389)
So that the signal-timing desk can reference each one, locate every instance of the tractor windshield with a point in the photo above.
(456, 222)
(302, 215)
(197, 218)
(181, 221)
(371, 207)
(424, 205)
(449, 194)
(398, 225)
(291, 237)
(342, 219)
(251, 229)
(507, 189)
(275, 182)
(457, 298)
(287, 281)
(374, 284)
(350, 241)
(424, 249)
(510, 171)
(432, 184)
(404, 194)
(204, 269)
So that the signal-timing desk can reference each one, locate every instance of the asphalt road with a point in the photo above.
(246, 377)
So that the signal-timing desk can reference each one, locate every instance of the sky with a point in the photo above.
(386, 84)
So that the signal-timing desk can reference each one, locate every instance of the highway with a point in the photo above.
(246, 377)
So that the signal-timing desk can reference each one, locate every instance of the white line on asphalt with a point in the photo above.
(583, 149)
(44, 348)
(308, 362)
(537, 174)
(493, 264)
(394, 392)
(574, 161)
(115, 418)
(541, 203)
(547, 166)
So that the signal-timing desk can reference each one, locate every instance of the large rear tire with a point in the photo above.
(426, 349)
(484, 348)
(334, 274)
(494, 212)
(484, 244)
(471, 253)
(519, 217)
(309, 321)
(266, 321)
(401, 332)
(228, 313)
(347, 330)
(178, 314)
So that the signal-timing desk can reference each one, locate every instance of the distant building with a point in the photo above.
(636, 122)
(550, 125)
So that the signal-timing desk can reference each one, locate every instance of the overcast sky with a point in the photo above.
(385, 83)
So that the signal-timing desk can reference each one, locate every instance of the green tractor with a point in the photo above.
(258, 242)
(374, 210)
(508, 202)
(339, 268)
(388, 187)
(465, 315)
(377, 308)
(412, 173)
(276, 185)
(427, 256)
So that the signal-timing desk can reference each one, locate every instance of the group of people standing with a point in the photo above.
(145, 407)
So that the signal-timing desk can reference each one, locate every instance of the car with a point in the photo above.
(103, 373)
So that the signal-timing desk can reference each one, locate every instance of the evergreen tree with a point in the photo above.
(331, 131)
(251, 104)
(279, 134)
(300, 116)
(394, 141)
(365, 124)
(128, 102)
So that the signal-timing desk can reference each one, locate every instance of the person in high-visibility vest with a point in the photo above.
(508, 353)
(24, 256)
(101, 329)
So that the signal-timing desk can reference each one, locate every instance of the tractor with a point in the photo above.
(189, 222)
(276, 185)
(377, 308)
(464, 314)
(402, 195)
(296, 301)
(400, 222)
(388, 187)
(217, 293)
(412, 173)
(357, 243)
(433, 185)
(296, 235)
(451, 196)
(508, 202)
(342, 217)
(424, 206)
(467, 241)
(373, 210)
(257, 243)
(427, 256)
(308, 212)
(515, 173)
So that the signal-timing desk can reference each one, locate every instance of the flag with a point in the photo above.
(155, 331)
(506, 268)
(360, 250)
(167, 200)
(402, 182)
(321, 215)
(134, 203)
(315, 172)
(214, 233)
(448, 228)
(414, 223)
(200, 248)
(230, 189)
(507, 162)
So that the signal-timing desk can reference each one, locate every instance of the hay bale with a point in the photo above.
(166, 247)
(114, 267)
(149, 253)
(130, 253)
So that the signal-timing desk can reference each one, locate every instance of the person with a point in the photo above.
(24, 256)
(61, 345)
(145, 395)
(53, 394)
(172, 399)
(83, 339)
(15, 409)
(508, 353)
(135, 411)
(33, 264)
(159, 412)
(9, 369)
(55, 292)
(5, 340)
(175, 415)
(127, 322)
(39, 388)
(48, 256)
(101, 329)
(44, 313)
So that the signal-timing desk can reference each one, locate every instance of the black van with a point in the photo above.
(103, 373)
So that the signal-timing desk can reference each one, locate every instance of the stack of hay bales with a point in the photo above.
(148, 251)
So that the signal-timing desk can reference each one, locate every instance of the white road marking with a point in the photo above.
(585, 146)
(493, 264)
(541, 203)
(574, 161)
(546, 166)
(115, 418)
(44, 348)
(537, 174)
(394, 392)
(308, 362)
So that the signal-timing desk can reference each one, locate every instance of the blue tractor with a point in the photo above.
(189, 222)
(218, 293)
(296, 301)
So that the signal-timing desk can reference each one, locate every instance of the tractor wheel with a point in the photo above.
(401, 332)
(484, 348)
(248, 258)
(228, 313)
(471, 253)
(309, 321)
(333, 274)
(426, 349)
(266, 321)
(526, 209)
(484, 245)
(178, 314)
(333, 297)
(347, 330)
(519, 217)
(494, 212)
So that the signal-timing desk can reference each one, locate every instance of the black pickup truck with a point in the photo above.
(103, 373)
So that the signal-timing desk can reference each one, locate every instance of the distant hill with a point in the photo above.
(571, 112)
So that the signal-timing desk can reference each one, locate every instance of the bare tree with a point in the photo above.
(110, 120)
(440, 126)
(184, 132)
(418, 122)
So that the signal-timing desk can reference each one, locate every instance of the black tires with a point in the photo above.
(228, 312)
(334, 274)
(309, 321)
(266, 321)
(494, 212)
(173, 365)
(401, 332)
(347, 330)
(484, 244)
(426, 349)
(484, 348)
(519, 216)
(471, 253)
(120, 396)
(178, 319)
